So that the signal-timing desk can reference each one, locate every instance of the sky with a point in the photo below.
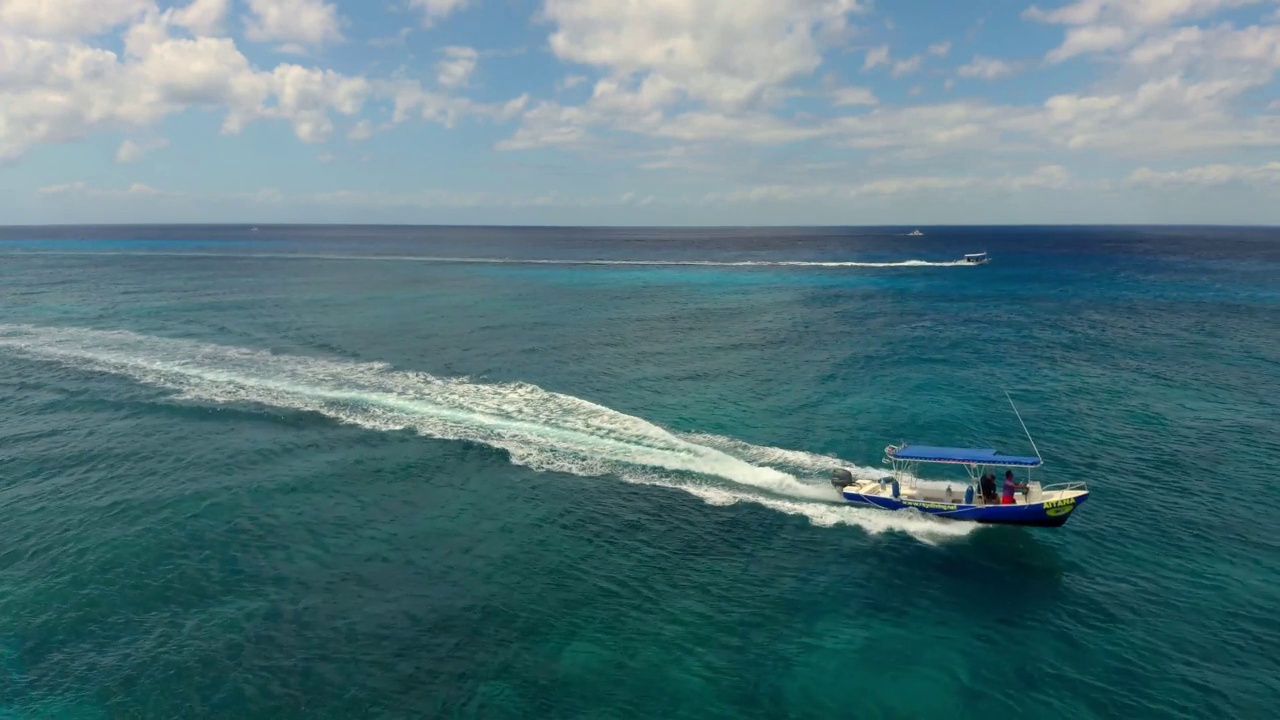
(640, 112)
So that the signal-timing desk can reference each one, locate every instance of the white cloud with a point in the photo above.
(411, 100)
(550, 124)
(1048, 177)
(846, 96)
(940, 49)
(728, 56)
(1104, 25)
(54, 91)
(755, 128)
(266, 196)
(553, 124)
(1077, 13)
(878, 56)
(1132, 12)
(908, 66)
(1090, 39)
(674, 157)
(875, 57)
(1171, 89)
(924, 130)
(620, 104)
(83, 189)
(1209, 175)
(776, 193)
(304, 97)
(396, 40)
(131, 152)
(1187, 47)
(64, 188)
(141, 189)
(435, 10)
(297, 22)
(1179, 112)
(202, 17)
(897, 186)
(986, 68)
(362, 130)
(1164, 116)
(1054, 177)
(456, 69)
(68, 18)
(570, 82)
(437, 198)
(631, 198)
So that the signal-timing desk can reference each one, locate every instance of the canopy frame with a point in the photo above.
(959, 456)
(975, 461)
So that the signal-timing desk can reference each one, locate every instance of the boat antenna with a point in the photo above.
(1024, 426)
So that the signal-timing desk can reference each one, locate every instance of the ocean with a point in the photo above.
(447, 472)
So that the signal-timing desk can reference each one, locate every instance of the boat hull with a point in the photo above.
(1053, 513)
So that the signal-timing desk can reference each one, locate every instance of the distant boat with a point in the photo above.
(977, 258)
(915, 232)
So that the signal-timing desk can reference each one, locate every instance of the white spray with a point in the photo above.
(539, 429)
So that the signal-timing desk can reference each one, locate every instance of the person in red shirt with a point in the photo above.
(1010, 487)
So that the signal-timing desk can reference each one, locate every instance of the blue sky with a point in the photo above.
(641, 112)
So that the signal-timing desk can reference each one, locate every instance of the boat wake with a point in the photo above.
(539, 429)
(510, 261)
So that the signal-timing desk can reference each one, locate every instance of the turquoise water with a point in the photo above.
(343, 472)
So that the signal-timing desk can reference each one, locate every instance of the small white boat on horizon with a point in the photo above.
(915, 232)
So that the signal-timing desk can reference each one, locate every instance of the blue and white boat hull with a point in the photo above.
(1048, 513)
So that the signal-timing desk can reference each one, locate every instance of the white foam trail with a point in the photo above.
(539, 429)
(507, 261)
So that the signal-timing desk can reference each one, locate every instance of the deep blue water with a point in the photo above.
(383, 472)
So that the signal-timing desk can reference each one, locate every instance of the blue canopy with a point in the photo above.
(962, 456)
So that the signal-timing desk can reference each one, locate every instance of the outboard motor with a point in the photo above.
(841, 478)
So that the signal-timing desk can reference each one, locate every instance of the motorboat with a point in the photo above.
(1029, 503)
(977, 258)
(915, 232)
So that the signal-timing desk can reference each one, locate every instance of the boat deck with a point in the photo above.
(936, 492)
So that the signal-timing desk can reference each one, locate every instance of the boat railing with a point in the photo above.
(1065, 487)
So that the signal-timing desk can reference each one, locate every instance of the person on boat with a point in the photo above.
(1010, 487)
(989, 488)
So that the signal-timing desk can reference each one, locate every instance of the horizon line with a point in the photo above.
(251, 225)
